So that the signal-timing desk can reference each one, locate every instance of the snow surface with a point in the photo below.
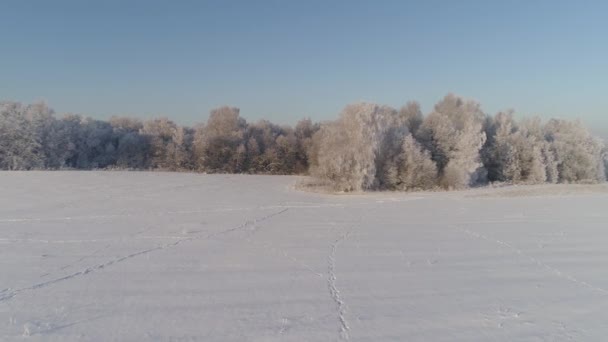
(136, 256)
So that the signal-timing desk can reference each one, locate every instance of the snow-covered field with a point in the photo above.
(135, 256)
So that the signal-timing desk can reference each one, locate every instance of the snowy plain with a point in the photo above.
(138, 256)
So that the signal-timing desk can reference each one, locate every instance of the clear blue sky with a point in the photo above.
(284, 60)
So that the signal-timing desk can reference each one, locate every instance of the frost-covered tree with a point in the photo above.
(218, 142)
(496, 155)
(132, 147)
(348, 151)
(60, 148)
(534, 129)
(304, 132)
(198, 147)
(368, 147)
(605, 159)
(577, 152)
(94, 144)
(40, 119)
(68, 142)
(273, 149)
(168, 144)
(389, 154)
(20, 144)
(285, 152)
(537, 160)
(261, 149)
(411, 115)
(514, 152)
(453, 134)
(415, 169)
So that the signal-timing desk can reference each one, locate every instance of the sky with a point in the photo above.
(285, 60)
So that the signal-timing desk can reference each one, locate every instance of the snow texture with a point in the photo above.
(138, 256)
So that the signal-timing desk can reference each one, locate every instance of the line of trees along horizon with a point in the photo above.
(369, 146)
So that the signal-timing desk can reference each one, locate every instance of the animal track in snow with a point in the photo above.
(333, 289)
(9, 294)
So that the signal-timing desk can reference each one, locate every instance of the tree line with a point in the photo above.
(31, 137)
(369, 147)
